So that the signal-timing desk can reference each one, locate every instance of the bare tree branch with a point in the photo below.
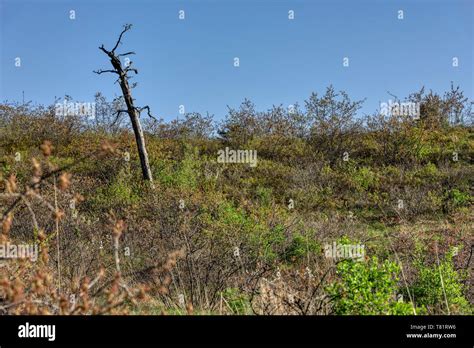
(100, 71)
(117, 116)
(147, 108)
(130, 69)
(103, 49)
(126, 28)
(125, 54)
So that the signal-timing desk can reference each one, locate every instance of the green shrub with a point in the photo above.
(237, 301)
(367, 288)
(270, 242)
(299, 247)
(120, 192)
(264, 194)
(430, 292)
(189, 166)
(364, 178)
(459, 198)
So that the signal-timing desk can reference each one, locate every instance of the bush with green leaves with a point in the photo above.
(367, 288)
(364, 178)
(458, 198)
(237, 301)
(299, 247)
(440, 287)
(122, 191)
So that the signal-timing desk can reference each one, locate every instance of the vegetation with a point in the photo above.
(228, 238)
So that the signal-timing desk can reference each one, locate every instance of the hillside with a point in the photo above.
(321, 212)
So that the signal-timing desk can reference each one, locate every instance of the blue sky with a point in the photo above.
(190, 62)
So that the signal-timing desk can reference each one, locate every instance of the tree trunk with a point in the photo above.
(137, 130)
(133, 112)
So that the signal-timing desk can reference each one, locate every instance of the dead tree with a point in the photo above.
(133, 111)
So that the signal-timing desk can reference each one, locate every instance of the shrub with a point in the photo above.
(459, 198)
(236, 301)
(120, 192)
(364, 178)
(429, 291)
(367, 288)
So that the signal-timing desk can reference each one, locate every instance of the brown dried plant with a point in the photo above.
(30, 285)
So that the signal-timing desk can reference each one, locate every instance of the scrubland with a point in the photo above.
(229, 238)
